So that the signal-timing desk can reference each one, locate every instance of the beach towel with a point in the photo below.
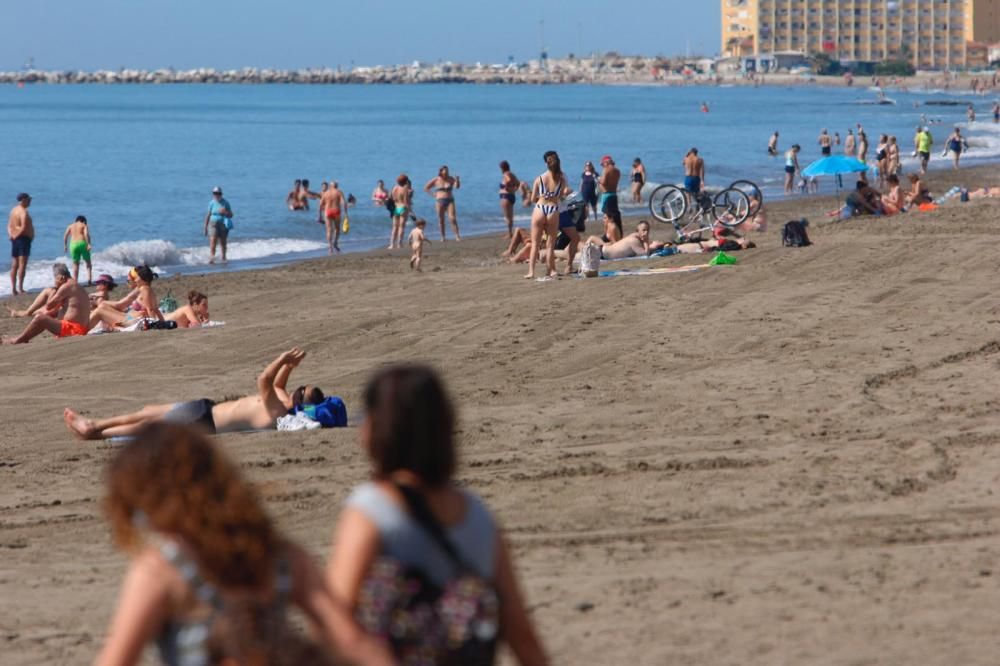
(640, 272)
(144, 325)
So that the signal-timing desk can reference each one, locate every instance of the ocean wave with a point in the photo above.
(162, 256)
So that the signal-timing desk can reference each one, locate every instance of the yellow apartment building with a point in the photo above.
(930, 34)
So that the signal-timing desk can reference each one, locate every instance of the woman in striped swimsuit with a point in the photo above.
(548, 192)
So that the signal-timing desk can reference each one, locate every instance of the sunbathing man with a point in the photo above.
(634, 245)
(75, 321)
(255, 412)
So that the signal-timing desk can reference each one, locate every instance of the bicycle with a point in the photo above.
(729, 207)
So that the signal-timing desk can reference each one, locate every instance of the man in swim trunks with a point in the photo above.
(634, 245)
(333, 205)
(77, 242)
(76, 320)
(608, 182)
(256, 412)
(217, 223)
(825, 143)
(21, 231)
(694, 171)
(772, 144)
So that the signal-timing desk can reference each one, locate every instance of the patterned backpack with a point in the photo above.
(424, 623)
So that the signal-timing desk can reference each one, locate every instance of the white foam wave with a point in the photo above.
(160, 255)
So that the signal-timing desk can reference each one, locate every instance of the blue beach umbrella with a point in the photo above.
(835, 165)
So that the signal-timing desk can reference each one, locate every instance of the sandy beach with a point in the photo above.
(789, 460)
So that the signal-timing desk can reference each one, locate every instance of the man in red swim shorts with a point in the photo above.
(76, 320)
(333, 206)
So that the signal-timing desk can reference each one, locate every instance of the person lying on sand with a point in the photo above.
(724, 244)
(192, 315)
(633, 245)
(985, 193)
(256, 412)
(75, 320)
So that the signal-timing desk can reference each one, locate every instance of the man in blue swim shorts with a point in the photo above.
(21, 231)
(694, 171)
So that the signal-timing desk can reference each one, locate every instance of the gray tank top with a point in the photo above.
(403, 539)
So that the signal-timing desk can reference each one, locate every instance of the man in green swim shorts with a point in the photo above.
(76, 241)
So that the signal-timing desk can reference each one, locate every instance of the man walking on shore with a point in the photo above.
(333, 207)
(924, 141)
(218, 222)
(21, 231)
(75, 321)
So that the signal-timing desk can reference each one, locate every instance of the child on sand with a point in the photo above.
(76, 241)
(417, 240)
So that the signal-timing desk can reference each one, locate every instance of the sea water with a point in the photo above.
(140, 161)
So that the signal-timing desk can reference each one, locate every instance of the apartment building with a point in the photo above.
(931, 34)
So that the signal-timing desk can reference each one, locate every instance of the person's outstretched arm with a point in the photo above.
(430, 184)
(281, 379)
(265, 382)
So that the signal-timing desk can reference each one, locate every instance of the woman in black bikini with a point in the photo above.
(638, 180)
(444, 186)
(509, 185)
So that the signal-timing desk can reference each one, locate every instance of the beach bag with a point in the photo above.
(228, 223)
(793, 234)
(331, 413)
(425, 624)
(590, 260)
(168, 303)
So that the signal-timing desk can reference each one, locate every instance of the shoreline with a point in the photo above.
(940, 179)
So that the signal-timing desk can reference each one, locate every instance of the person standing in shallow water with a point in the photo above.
(638, 180)
(444, 186)
(588, 187)
(21, 231)
(218, 220)
(509, 186)
(401, 197)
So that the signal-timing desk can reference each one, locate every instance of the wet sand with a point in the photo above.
(790, 460)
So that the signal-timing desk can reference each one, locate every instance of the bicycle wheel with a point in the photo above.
(668, 203)
(730, 207)
(749, 188)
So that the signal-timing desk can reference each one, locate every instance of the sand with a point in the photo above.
(790, 460)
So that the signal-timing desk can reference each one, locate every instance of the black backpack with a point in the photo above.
(794, 234)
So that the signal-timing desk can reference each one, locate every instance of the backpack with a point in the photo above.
(168, 303)
(793, 234)
(331, 413)
(456, 624)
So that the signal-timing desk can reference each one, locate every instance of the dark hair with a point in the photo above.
(305, 182)
(298, 181)
(23, 196)
(860, 185)
(411, 423)
(893, 178)
(195, 297)
(504, 165)
(402, 180)
(616, 217)
(81, 218)
(556, 168)
(313, 396)
(146, 273)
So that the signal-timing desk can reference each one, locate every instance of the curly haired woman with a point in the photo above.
(211, 578)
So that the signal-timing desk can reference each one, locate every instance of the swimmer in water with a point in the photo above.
(772, 144)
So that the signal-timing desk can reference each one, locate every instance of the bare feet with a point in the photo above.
(7, 341)
(212, 260)
(529, 276)
(79, 426)
(412, 260)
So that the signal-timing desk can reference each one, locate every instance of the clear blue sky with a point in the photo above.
(92, 34)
